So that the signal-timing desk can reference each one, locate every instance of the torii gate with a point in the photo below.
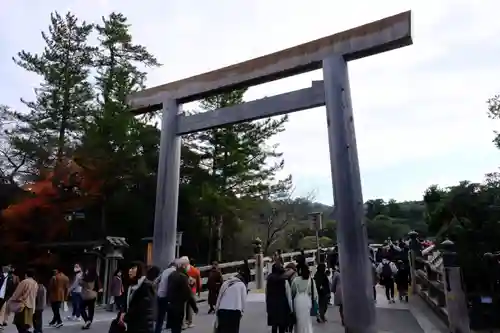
(329, 53)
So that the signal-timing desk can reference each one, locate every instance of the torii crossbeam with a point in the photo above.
(329, 53)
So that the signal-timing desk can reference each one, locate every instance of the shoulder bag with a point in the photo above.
(314, 304)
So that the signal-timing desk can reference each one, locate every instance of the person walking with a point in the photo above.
(214, 282)
(323, 287)
(116, 291)
(304, 296)
(402, 281)
(337, 290)
(194, 281)
(386, 271)
(40, 303)
(137, 313)
(89, 284)
(75, 292)
(278, 300)
(8, 283)
(231, 304)
(162, 302)
(245, 271)
(290, 274)
(58, 291)
(375, 280)
(178, 295)
(22, 302)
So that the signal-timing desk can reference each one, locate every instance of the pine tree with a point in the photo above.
(55, 119)
(240, 163)
(118, 145)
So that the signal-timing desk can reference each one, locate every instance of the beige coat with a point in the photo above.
(26, 293)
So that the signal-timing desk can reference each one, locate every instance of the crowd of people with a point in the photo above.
(392, 269)
(24, 296)
(293, 297)
(147, 299)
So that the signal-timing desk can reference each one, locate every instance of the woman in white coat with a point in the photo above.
(303, 292)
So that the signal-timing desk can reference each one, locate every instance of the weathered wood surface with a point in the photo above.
(369, 39)
(262, 108)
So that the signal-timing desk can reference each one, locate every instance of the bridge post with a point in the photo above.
(355, 266)
(456, 299)
(259, 264)
(167, 188)
(414, 248)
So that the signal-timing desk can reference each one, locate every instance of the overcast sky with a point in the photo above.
(420, 112)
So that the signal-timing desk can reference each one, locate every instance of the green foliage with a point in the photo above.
(393, 219)
(383, 227)
(236, 159)
(111, 130)
(53, 124)
(309, 242)
(468, 214)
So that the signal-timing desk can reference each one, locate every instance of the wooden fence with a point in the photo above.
(230, 269)
(429, 277)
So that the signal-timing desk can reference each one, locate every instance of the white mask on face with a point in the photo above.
(76, 269)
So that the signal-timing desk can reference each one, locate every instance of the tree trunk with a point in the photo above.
(218, 249)
(103, 230)
(210, 239)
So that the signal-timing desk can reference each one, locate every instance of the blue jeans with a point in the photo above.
(76, 303)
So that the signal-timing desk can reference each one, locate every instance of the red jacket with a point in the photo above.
(195, 278)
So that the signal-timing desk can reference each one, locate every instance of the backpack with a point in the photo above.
(386, 271)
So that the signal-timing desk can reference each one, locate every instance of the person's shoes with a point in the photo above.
(191, 325)
(58, 325)
(184, 326)
(4, 323)
(52, 323)
(86, 326)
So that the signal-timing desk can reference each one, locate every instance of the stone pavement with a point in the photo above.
(414, 317)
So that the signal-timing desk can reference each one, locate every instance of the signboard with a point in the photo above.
(316, 221)
(76, 215)
(178, 239)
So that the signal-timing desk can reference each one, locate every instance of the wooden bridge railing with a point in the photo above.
(230, 268)
(428, 270)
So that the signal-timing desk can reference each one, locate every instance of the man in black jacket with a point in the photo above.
(178, 295)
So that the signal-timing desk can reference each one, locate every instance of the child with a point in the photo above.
(40, 302)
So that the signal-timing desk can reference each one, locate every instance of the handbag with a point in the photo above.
(314, 304)
(15, 306)
(116, 327)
